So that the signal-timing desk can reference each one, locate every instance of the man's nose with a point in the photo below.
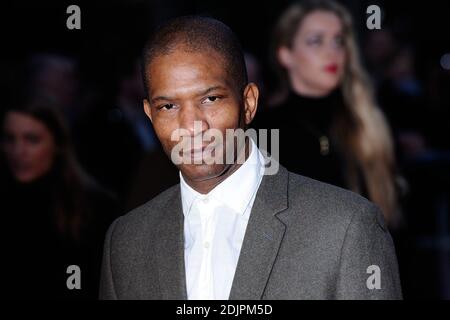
(192, 119)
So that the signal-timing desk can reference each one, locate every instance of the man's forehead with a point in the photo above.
(188, 55)
(186, 91)
(181, 70)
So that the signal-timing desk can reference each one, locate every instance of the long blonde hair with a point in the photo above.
(362, 132)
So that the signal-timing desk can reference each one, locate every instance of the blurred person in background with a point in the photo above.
(379, 48)
(115, 135)
(330, 126)
(255, 75)
(401, 95)
(54, 215)
(56, 77)
(391, 64)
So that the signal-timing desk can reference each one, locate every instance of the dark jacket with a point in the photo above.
(304, 240)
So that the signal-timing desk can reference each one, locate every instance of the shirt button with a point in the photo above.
(205, 200)
(206, 245)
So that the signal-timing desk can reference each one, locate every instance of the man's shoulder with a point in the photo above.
(147, 214)
(314, 191)
(325, 202)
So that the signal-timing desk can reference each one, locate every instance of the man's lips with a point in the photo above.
(199, 151)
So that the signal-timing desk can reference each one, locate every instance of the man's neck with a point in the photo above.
(206, 186)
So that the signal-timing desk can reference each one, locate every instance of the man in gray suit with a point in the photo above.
(234, 230)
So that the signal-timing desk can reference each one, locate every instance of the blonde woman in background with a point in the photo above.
(330, 126)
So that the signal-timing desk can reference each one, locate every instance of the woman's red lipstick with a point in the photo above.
(332, 68)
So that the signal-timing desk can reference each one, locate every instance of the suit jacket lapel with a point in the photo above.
(170, 250)
(262, 239)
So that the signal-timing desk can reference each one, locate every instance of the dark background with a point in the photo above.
(111, 38)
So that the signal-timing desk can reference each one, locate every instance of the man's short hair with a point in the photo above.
(197, 34)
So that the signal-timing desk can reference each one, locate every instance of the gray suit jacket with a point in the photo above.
(304, 240)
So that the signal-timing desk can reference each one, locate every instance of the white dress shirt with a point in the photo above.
(214, 228)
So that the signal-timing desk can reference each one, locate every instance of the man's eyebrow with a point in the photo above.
(201, 93)
(159, 98)
(211, 89)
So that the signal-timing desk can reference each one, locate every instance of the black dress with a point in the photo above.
(35, 255)
(307, 145)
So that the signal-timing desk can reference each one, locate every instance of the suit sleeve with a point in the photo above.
(368, 266)
(107, 290)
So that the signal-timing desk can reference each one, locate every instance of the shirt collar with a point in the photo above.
(236, 191)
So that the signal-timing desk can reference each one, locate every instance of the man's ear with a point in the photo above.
(147, 109)
(284, 56)
(251, 95)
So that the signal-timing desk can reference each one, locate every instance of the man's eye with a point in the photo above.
(211, 99)
(167, 106)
